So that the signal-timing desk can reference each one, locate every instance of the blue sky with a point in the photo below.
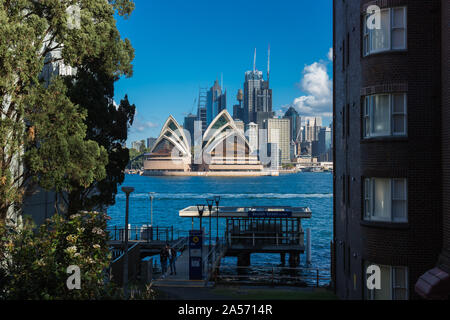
(182, 45)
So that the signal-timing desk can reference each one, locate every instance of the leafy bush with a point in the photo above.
(34, 262)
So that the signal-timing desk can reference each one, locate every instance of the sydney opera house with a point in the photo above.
(224, 151)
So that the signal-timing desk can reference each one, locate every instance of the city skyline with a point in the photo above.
(167, 77)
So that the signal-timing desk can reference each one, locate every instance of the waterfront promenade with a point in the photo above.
(211, 174)
(173, 194)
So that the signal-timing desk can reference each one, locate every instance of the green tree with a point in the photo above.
(136, 158)
(35, 35)
(108, 124)
(142, 146)
(58, 129)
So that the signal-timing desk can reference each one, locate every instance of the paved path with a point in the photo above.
(181, 279)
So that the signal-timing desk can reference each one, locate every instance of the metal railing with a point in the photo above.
(274, 275)
(212, 258)
(264, 238)
(116, 266)
(115, 252)
(142, 233)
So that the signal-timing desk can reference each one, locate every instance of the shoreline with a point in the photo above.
(222, 174)
(211, 174)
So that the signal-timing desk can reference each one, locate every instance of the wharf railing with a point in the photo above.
(274, 275)
(255, 238)
(142, 233)
(213, 257)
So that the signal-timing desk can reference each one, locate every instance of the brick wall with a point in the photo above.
(417, 72)
(446, 131)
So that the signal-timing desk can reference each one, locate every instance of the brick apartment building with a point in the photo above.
(392, 148)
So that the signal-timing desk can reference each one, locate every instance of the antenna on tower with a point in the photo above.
(254, 61)
(268, 65)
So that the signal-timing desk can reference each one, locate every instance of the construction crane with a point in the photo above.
(194, 105)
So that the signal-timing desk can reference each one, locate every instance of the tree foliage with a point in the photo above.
(42, 123)
(108, 126)
(35, 263)
(136, 159)
(58, 129)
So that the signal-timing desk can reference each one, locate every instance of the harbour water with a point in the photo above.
(171, 194)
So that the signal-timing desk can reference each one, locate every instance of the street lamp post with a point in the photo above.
(217, 200)
(210, 203)
(127, 191)
(152, 195)
(201, 209)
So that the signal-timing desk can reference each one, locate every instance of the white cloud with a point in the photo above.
(142, 126)
(330, 54)
(318, 91)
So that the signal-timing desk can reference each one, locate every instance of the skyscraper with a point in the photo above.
(278, 132)
(189, 122)
(150, 142)
(138, 145)
(252, 137)
(216, 102)
(311, 128)
(296, 123)
(324, 140)
(238, 110)
(391, 149)
(257, 96)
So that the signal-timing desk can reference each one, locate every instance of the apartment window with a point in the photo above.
(392, 34)
(385, 200)
(385, 115)
(394, 283)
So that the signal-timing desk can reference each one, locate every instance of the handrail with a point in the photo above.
(256, 237)
(215, 254)
(181, 242)
(123, 252)
(142, 233)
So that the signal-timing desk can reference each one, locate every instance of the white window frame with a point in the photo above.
(369, 199)
(368, 196)
(370, 293)
(367, 33)
(395, 286)
(368, 116)
(404, 114)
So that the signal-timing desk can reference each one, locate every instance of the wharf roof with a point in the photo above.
(261, 212)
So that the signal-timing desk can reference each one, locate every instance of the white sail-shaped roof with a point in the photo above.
(220, 129)
(172, 134)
